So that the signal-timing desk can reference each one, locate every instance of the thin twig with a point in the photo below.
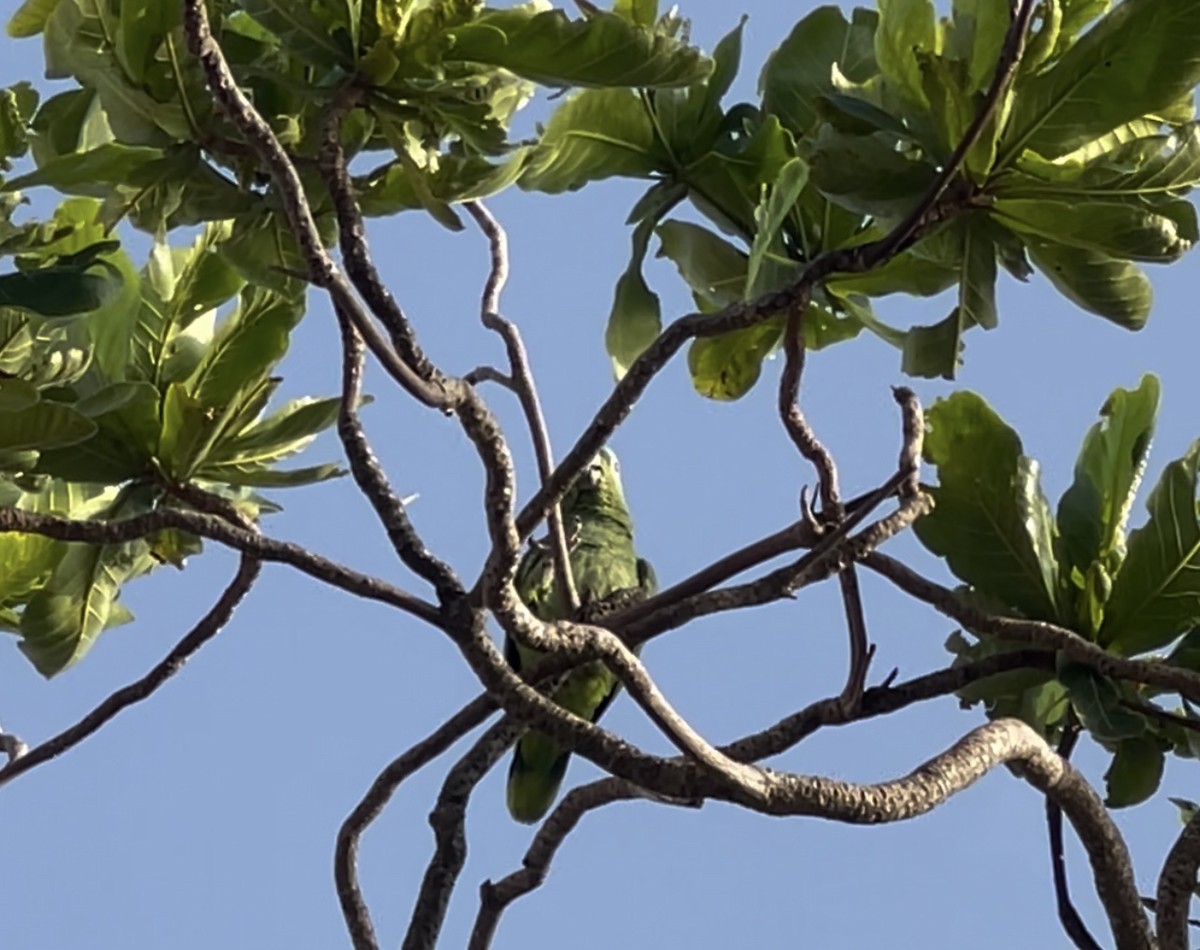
(208, 627)
(861, 649)
(489, 374)
(794, 423)
(1072, 923)
(215, 529)
(525, 388)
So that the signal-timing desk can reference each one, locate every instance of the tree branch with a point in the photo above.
(207, 628)
(321, 268)
(526, 390)
(373, 483)
(794, 423)
(416, 757)
(1176, 885)
(213, 528)
(1034, 632)
(1072, 923)
(448, 820)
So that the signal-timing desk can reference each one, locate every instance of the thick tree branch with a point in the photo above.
(1176, 886)
(240, 539)
(1036, 633)
(207, 628)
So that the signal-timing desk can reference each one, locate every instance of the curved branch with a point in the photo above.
(1176, 885)
(416, 757)
(449, 826)
(522, 383)
(240, 539)
(373, 483)
(207, 628)
(1072, 923)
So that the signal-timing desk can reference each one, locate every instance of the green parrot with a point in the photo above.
(603, 563)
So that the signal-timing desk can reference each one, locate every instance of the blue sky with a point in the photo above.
(206, 816)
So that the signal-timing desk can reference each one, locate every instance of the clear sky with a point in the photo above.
(206, 817)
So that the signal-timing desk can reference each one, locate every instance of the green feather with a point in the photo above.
(603, 563)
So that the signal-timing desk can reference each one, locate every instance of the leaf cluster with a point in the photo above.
(1133, 593)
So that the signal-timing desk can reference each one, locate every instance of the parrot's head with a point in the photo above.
(598, 486)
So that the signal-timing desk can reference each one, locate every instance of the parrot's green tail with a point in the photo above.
(535, 777)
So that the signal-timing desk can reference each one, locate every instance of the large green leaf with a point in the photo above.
(247, 345)
(111, 162)
(72, 285)
(1156, 594)
(305, 29)
(991, 521)
(865, 174)
(713, 268)
(44, 425)
(124, 444)
(907, 28)
(62, 620)
(1093, 512)
(254, 477)
(1116, 229)
(1140, 58)
(801, 69)
(595, 134)
(636, 317)
(601, 49)
(770, 218)
(726, 367)
(30, 18)
(282, 434)
(1117, 290)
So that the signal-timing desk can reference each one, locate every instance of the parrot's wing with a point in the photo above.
(647, 579)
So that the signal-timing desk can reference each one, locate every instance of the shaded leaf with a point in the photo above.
(991, 521)
(1097, 702)
(1135, 773)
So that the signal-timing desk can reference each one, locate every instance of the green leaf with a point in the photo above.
(980, 25)
(62, 620)
(1093, 512)
(17, 105)
(112, 162)
(595, 134)
(124, 444)
(1135, 773)
(866, 175)
(206, 280)
(280, 435)
(713, 268)
(933, 351)
(1139, 59)
(801, 69)
(246, 346)
(906, 28)
(600, 50)
(726, 367)
(1114, 289)
(303, 31)
(65, 288)
(991, 521)
(1156, 594)
(770, 217)
(1119, 230)
(44, 425)
(273, 478)
(30, 18)
(636, 317)
(1097, 702)
(977, 286)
